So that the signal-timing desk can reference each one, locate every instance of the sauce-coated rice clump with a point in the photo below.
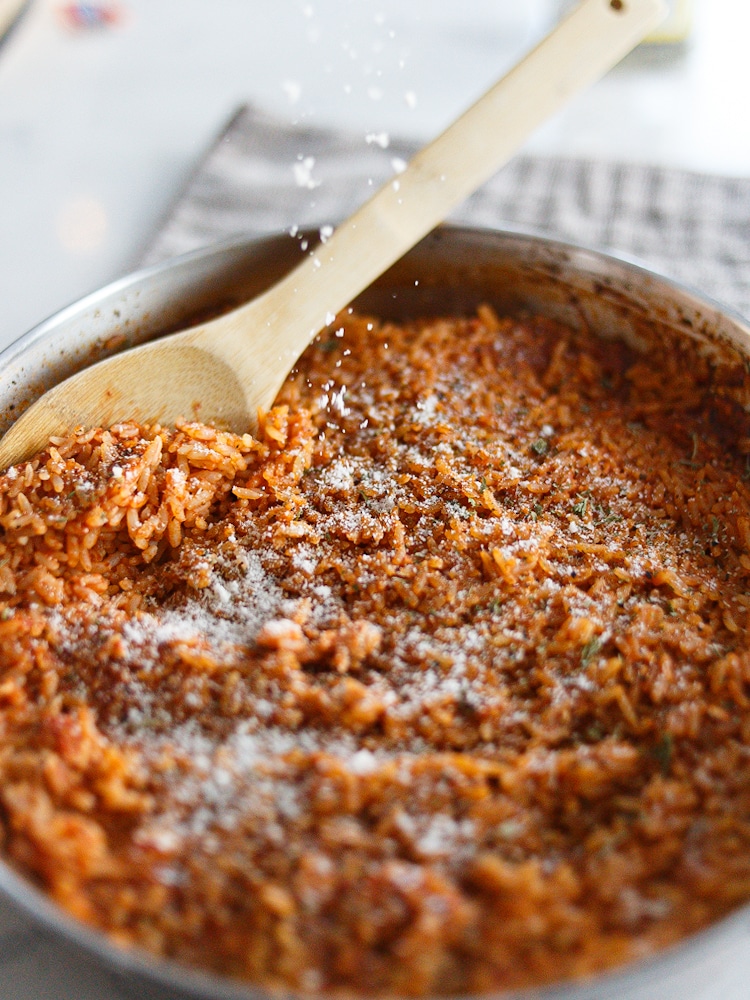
(441, 684)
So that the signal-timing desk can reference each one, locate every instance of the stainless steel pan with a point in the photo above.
(453, 269)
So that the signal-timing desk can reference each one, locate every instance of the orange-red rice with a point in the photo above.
(441, 684)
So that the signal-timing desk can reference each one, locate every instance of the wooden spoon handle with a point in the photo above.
(235, 365)
(578, 51)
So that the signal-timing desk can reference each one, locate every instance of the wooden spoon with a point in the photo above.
(235, 364)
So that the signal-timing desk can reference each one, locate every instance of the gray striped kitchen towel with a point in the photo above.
(262, 176)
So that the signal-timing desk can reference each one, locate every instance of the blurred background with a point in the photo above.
(105, 108)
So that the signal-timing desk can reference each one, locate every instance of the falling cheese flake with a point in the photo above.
(381, 139)
(303, 173)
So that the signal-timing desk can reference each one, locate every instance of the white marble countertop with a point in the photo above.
(100, 127)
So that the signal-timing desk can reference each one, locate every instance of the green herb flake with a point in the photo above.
(536, 512)
(692, 462)
(540, 446)
(590, 650)
(580, 507)
(610, 519)
(715, 528)
(604, 515)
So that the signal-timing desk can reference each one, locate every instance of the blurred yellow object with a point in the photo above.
(9, 11)
(676, 27)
